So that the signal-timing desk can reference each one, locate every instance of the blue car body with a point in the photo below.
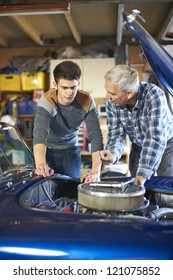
(40, 218)
(28, 233)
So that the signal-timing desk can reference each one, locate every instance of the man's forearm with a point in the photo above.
(42, 168)
(39, 154)
(96, 163)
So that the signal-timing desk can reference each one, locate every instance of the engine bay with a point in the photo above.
(109, 199)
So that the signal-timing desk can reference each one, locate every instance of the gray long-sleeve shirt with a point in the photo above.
(57, 125)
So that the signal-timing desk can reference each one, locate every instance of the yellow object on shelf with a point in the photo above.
(33, 82)
(10, 82)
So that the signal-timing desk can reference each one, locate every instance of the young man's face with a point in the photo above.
(67, 91)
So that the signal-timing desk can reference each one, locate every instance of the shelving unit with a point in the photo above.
(23, 122)
(19, 94)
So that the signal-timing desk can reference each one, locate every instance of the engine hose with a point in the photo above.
(160, 213)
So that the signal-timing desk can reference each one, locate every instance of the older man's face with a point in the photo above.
(113, 93)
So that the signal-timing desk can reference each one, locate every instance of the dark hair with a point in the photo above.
(67, 70)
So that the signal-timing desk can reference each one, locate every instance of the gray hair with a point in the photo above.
(126, 77)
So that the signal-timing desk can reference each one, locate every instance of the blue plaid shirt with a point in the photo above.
(149, 125)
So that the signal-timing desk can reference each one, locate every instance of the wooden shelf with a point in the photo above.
(25, 117)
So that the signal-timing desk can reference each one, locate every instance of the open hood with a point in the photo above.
(158, 58)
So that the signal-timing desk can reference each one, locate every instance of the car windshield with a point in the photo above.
(14, 153)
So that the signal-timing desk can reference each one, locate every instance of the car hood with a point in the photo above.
(158, 58)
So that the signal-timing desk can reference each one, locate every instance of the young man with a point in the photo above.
(59, 115)
(140, 111)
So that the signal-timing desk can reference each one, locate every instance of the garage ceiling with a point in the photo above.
(79, 23)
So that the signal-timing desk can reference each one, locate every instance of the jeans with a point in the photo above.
(166, 165)
(66, 161)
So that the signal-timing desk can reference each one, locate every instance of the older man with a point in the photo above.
(139, 110)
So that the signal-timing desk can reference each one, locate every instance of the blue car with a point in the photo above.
(58, 218)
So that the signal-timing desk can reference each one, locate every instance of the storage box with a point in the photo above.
(35, 82)
(24, 107)
(10, 82)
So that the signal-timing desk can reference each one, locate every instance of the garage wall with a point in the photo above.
(7, 54)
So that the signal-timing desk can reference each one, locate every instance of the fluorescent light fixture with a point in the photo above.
(37, 9)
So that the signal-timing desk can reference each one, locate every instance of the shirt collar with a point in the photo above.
(139, 101)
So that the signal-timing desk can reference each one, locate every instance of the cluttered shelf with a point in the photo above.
(26, 117)
(19, 92)
(19, 95)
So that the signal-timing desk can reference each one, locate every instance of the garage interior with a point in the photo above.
(37, 35)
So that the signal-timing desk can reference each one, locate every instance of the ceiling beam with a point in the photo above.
(73, 28)
(34, 9)
(25, 2)
(25, 25)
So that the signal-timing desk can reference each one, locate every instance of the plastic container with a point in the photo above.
(33, 82)
(10, 82)
(24, 107)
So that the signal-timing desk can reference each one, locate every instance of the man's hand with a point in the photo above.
(90, 177)
(44, 170)
(94, 174)
(140, 181)
(107, 157)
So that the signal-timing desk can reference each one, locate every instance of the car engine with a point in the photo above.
(107, 199)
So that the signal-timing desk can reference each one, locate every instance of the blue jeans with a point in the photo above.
(166, 165)
(66, 161)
